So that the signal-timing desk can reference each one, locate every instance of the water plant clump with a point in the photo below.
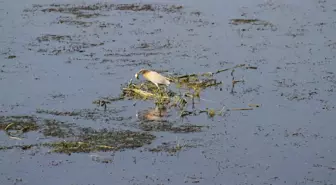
(15, 126)
(103, 140)
(75, 139)
(189, 88)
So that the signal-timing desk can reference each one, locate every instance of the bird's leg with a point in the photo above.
(157, 86)
(160, 92)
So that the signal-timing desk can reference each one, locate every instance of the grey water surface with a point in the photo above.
(64, 61)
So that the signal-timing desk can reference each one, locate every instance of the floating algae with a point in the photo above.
(74, 139)
(102, 140)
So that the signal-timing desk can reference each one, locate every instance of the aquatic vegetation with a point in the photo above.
(190, 86)
(102, 140)
(15, 126)
(250, 21)
(75, 139)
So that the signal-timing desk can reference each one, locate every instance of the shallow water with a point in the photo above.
(288, 140)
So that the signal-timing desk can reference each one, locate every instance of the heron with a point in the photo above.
(153, 77)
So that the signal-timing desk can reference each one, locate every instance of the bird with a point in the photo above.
(153, 77)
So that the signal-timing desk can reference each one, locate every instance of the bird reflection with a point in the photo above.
(154, 114)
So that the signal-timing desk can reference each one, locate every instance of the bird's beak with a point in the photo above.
(136, 76)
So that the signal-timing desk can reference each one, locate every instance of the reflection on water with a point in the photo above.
(158, 113)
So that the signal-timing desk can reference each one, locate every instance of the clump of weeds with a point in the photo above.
(190, 87)
(102, 140)
(15, 126)
(74, 139)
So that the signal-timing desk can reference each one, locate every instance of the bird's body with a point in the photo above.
(153, 76)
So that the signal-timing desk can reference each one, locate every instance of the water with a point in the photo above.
(288, 140)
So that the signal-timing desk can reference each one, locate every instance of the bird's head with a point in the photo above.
(142, 71)
(136, 75)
